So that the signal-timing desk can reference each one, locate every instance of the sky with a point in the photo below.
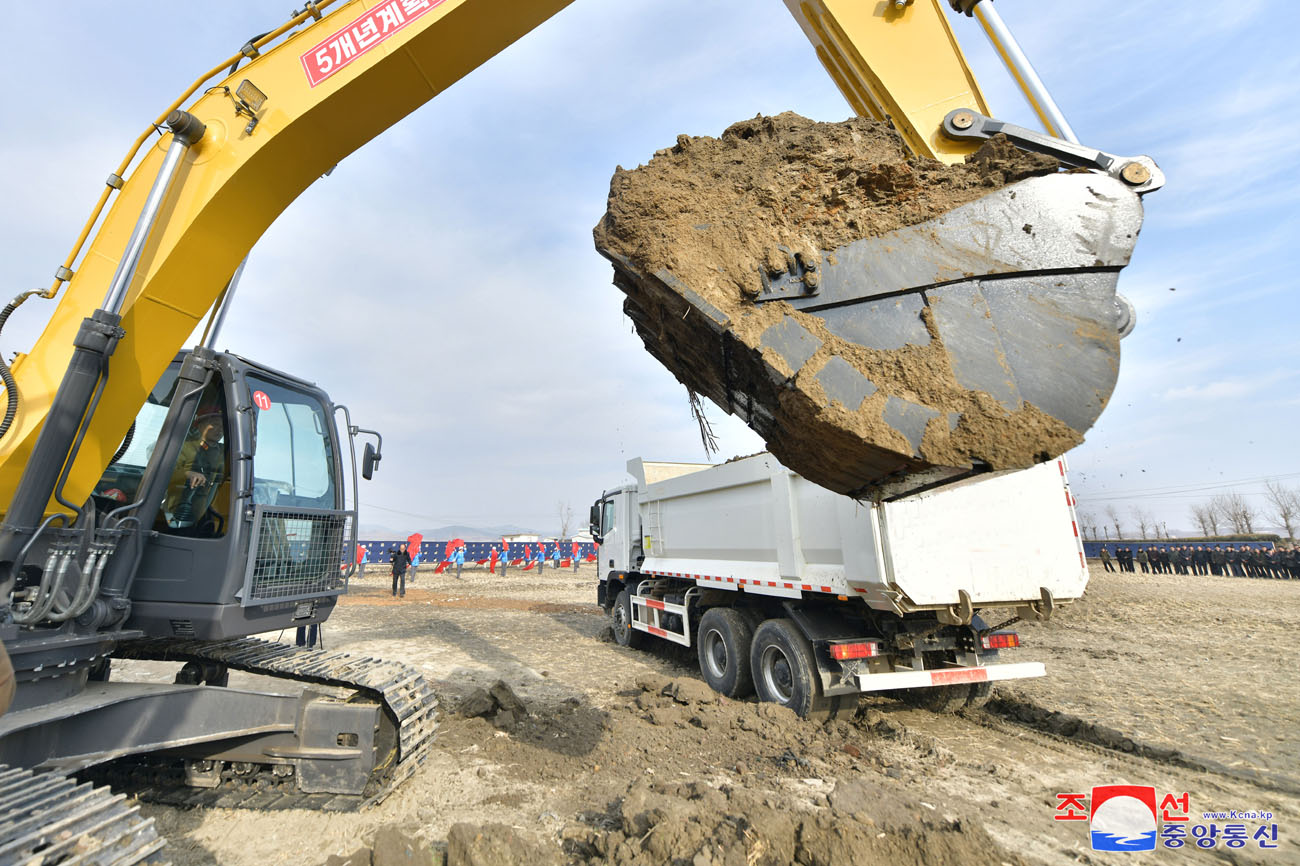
(442, 281)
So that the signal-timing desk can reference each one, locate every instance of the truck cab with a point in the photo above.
(616, 529)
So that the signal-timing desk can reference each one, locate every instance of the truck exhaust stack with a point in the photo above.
(885, 322)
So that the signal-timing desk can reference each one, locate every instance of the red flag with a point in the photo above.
(361, 553)
(566, 563)
(591, 557)
(528, 551)
(576, 549)
(529, 565)
(441, 566)
(453, 544)
(492, 562)
(413, 543)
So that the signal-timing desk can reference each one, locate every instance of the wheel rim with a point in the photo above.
(715, 654)
(777, 676)
(620, 617)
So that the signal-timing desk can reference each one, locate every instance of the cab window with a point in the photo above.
(607, 518)
(293, 461)
(197, 501)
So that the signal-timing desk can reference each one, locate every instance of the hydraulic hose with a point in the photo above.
(11, 386)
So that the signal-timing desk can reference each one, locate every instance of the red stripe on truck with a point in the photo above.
(657, 605)
(968, 675)
(658, 632)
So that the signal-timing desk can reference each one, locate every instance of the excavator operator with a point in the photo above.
(199, 471)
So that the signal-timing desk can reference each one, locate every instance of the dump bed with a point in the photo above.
(755, 526)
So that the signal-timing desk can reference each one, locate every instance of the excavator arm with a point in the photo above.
(295, 102)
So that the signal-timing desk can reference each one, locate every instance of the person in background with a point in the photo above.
(1105, 559)
(492, 560)
(307, 635)
(1143, 560)
(555, 557)
(1218, 561)
(541, 556)
(400, 559)
(459, 558)
(415, 562)
(577, 550)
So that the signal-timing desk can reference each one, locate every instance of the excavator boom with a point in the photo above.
(296, 101)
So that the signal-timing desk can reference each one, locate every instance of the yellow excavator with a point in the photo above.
(162, 504)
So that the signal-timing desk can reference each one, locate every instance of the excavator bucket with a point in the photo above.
(886, 323)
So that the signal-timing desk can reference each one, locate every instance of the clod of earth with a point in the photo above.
(698, 235)
(500, 702)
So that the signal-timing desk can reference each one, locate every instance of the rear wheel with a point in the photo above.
(979, 695)
(936, 699)
(725, 637)
(781, 662)
(624, 634)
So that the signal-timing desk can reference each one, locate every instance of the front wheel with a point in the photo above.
(624, 634)
(781, 660)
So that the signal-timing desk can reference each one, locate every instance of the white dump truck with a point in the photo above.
(810, 598)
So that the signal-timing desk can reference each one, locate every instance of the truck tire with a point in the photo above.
(725, 638)
(936, 699)
(781, 662)
(624, 634)
(980, 693)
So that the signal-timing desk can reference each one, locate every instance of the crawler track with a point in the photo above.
(407, 701)
(49, 818)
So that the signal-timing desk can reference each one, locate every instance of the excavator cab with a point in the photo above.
(243, 489)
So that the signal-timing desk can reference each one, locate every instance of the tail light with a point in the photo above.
(1001, 640)
(855, 650)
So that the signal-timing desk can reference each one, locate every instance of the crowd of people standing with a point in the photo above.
(1229, 560)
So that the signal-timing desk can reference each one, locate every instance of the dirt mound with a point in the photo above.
(694, 822)
(699, 233)
(757, 792)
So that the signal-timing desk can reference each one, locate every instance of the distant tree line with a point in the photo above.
(1224, 514)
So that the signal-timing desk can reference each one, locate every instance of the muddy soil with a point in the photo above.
(696, 235)
(624, 756)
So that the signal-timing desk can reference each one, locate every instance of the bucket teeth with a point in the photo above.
(986, 339)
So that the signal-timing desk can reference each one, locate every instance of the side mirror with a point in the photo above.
(593, 522)
(369, 460)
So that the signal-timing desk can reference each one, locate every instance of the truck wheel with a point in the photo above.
(979, 695)
(781, 661)
(624, 634)
(936, 699)
(724, 644)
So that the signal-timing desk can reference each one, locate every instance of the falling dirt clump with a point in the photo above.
(700, 233)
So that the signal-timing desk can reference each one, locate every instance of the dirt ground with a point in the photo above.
(625, 756)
